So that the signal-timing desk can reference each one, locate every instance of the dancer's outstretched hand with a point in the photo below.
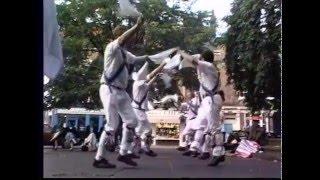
(175, 51)
(177, 48)
(180, 51)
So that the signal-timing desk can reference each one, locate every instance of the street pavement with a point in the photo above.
(168, 164)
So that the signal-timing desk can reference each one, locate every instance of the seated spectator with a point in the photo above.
(90, 143)
(232, 142)
(59, 134)
(258, 134)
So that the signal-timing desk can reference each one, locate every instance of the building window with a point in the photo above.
(61, 119)
(228, 128)
(81, 122)
(94, 122)
(71, 123)
(230, 116)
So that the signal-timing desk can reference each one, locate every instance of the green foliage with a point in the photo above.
(253, 48)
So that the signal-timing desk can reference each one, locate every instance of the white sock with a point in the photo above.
(144, 146)
(122, 152)
(101, 147)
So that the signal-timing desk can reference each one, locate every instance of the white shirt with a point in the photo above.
(207, 75)
(139, 90)
(113, 59)
(215, 122)
(195, 102)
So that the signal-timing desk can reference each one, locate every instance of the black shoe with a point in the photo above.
(103, 163)
(140, 151)
(151, 153)
(126, 159)
(84, 148)
(187, 153)
(216, 160)
(180, 148)
(133, 156)
(204, 156)
(222, 158)
(195, 154)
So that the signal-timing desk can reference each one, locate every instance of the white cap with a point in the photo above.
(142, 73)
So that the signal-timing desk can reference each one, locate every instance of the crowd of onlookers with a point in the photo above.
(69, 136)
(253, 133)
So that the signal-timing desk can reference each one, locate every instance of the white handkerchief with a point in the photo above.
(159, 57)
(173, 62)
(127, 9)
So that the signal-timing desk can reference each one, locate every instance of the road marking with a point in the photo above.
(170, 164)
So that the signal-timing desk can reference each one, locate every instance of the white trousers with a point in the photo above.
(144, 127)
(143, 130)
(116, 102)
(216, 141)
(69, 140)
(186, 135)
(200, 124)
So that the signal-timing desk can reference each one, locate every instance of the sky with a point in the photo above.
(221, 9)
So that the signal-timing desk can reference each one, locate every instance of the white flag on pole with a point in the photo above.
(52, 49)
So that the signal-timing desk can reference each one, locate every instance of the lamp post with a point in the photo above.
(269, 121)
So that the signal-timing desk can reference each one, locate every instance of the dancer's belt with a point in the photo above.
(139, 103)
(111, 85)
(109, 80)
(139, 108)
(212, 92)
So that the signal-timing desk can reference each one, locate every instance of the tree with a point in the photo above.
(253, 48)
(86, 27)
